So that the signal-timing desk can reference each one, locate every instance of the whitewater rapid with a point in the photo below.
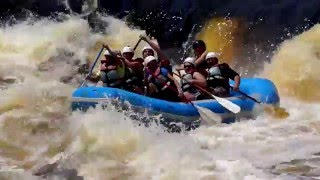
(37, 125)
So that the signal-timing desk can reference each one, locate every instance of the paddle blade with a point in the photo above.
(209, 116)
(228, 104)
(275, 111)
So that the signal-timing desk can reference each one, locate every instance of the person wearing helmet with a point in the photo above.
(112, 71)
(160, 83)
(199, 48)
(134, 71)
(149, 51)
(135, 64)
(190, 79)
(219, 75)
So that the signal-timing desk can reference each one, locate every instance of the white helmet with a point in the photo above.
(212, 55)
(189, 60)
(147, 47)
(106, 53)
(149, 59)
(127, 49)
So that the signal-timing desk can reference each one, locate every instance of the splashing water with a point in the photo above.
(36, 122)
(294, 67)
(223, 36)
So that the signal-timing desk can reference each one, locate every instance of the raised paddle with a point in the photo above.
(222, 101)
(279, 112)
(135, 47)
(92, 67)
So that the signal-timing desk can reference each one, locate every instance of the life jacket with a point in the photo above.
(160, 81)
(216, 78)
(114, 78)
(166, 64)
(185, 86)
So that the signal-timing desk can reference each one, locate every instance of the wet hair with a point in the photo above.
(198, 43)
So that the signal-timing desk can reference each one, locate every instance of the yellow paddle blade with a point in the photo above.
(275, 111)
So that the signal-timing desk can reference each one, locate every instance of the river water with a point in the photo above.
(37, 126)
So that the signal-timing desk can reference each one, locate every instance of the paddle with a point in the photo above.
(274, 110)
(224, 102)
(246, 95)
(135, 47)
(91, 69)
(205, 114)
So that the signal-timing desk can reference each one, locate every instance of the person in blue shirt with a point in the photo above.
(160, 83)
(162, 60)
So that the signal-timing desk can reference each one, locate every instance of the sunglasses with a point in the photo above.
(187, 66)
(148, 51)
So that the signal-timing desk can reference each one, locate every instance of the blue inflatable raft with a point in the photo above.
(261, 89)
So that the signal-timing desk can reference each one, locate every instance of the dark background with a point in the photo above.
(272, 14)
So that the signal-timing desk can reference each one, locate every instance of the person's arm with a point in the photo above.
(145, 81)
(166, 73)
(232, 74)
(237, 80)
(155, 47)
(108, 49)
(103, 66)
(132, 65)
(99, 83)
(202, 58)
(101, 79)
(176, 83)
(112, 67)
(199, 80)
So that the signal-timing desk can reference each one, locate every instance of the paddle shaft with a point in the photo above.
(246, 95)
(211, 114)
(222, 101)
(172, 88)
(201, 110)
(135, 47)
(92, 67)
(197, 86)
(95, 62)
